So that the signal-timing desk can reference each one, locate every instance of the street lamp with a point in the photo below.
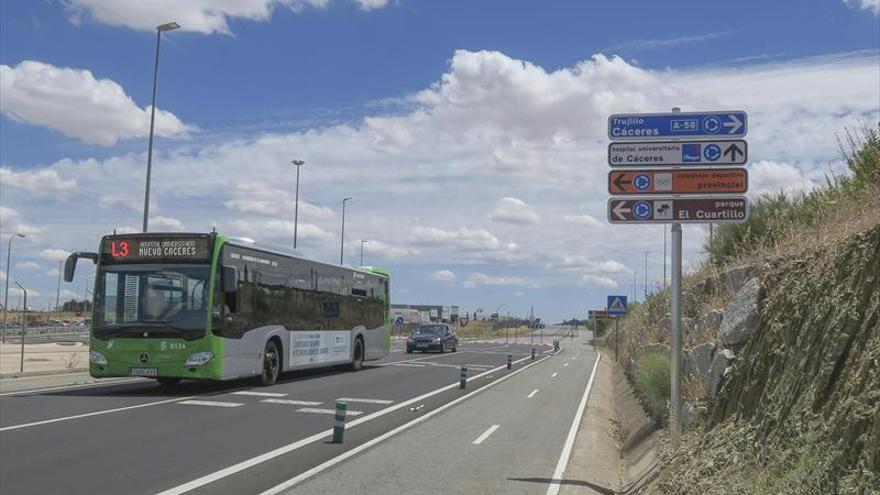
(646, 275)
(298, 164)
(171, 26)
(362, 251)
(23, 324)
(6, 295)
(342, 242)
(58, 288)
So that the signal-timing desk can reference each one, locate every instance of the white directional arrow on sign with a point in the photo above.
(619, 210)
(734, 125)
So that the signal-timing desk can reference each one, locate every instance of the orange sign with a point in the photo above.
(679, 181)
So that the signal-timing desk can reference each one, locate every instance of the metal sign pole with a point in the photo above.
(676, 335)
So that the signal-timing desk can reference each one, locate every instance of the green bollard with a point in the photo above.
(339, 427)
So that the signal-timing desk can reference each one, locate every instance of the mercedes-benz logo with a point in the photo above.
(145, 358)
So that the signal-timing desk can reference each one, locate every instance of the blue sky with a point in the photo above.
(308, 77)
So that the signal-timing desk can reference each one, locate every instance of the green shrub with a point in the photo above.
(653, 383)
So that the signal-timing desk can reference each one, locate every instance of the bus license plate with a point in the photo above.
(144, 372)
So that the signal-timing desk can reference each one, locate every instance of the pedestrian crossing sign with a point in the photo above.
(616, 305)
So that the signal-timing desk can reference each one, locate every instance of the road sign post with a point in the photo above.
(695, 144)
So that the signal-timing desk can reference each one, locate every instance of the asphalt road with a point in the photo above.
(132, 436)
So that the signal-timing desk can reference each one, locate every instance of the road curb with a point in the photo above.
(27, 374)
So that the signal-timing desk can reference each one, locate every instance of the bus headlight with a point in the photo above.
(199, 359)
(96, 357)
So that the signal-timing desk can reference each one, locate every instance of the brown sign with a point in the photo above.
(599, 314)
(730, 209)
(685, 181)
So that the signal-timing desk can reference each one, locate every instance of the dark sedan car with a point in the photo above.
(432, 337)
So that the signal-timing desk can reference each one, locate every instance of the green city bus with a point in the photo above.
(174, 306)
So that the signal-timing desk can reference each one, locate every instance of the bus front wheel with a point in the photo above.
(357, 361)
(271, 364)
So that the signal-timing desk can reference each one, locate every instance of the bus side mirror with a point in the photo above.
(229, 276)
(70, 264)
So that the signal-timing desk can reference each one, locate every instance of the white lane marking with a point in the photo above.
(574, 358)
(564, 365)
(74, 386)
(367, 401)
(410, 365)
(259, 394)
(292, 402)
(486, 434)
(248, 463)
(210, 403)
(532, 394)
(388, 434)
(316, 410)
(553, 375)
(556, 480)
(96, 413)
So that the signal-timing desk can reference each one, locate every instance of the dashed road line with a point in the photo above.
(96, 413)
(480, 439)
(292, 402)
(316, 410)
(532, 394)
(210, 403)
(259, 394)
(408, 365)
(553, 375)
(564, 365)
(367, 401)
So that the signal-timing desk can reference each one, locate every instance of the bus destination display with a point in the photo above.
(135, 249)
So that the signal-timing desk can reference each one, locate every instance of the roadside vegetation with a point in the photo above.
(798, 408)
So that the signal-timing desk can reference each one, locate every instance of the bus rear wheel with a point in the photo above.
(357, 361)
(271, 364)
(167, 381)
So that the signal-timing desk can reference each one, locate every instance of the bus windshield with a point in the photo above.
(152, 300)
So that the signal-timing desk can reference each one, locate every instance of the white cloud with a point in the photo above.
(768, 176)
(54, 254)
(443, 276)
(39, 181)
(28, 265)
(583, 220)
(165, 223)
(201, 16)
(478, 278)
(74, 102)
(513, 210)
(598, 281)
(371, 4)
(871, 5)
(491, 127)
(646, 44)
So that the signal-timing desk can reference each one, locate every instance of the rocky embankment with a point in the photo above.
(782, 377)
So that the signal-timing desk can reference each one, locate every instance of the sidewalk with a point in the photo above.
(57, 357)
(615, 448)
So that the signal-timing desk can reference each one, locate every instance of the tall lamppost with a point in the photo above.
(362, 251)
(23, 323)
(342, 242)
(298, 164)
(6, 294)
(171, 26)
(58, 288)
(646, 275)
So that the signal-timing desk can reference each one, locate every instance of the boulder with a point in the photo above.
(734, 278)
(702, 361)
(741, 315)
(714, 319)
(689, 364)
(720, 362)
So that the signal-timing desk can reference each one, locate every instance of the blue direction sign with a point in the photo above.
(616, 305)
(692, 125)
